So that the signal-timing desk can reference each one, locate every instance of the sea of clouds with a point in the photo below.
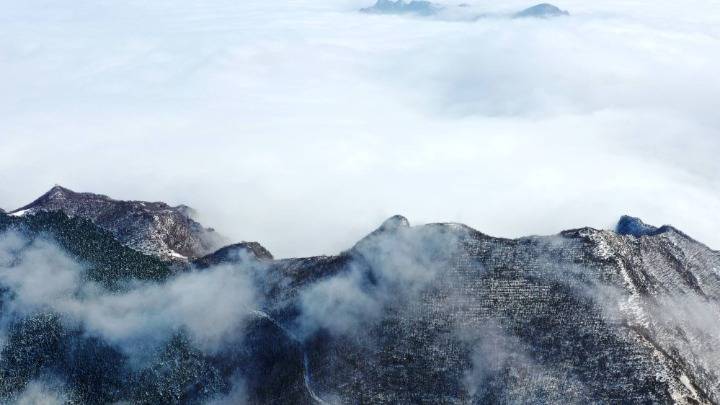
(301, 124)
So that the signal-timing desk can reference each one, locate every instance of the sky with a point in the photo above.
(303, 124)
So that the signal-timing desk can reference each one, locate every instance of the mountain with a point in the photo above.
(107, 261)
(234, 253)
(584, 316)
(42, 346)
(418, 7)
(543, 10)
(436, 313)
(153, 228)
(462, 12)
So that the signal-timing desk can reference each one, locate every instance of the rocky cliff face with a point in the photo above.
(153, 228)
(439, 313)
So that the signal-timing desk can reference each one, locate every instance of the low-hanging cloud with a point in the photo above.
(46, 390)
(688, 326)
(236, 396)
(340, 304)
(389, 267)
(210, 306)
(498, 355)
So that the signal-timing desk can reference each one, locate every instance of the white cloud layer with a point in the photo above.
(302, 124)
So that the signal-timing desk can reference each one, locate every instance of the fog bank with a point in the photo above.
(303, 124)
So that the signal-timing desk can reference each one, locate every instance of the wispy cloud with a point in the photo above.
(212, 306)
(389, 268)
(43, 391)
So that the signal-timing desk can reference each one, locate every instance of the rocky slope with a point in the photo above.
(153, 228)
(439, 313)
(42, 343)
(585, 316)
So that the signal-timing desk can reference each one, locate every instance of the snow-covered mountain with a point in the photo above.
(154, 228)
(437, 313)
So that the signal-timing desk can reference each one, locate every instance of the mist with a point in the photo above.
(303, 124)
(211, 306)
(391, 267)
(208, 310)
(44, 391)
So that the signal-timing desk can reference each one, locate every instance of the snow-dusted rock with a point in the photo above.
(153, 228)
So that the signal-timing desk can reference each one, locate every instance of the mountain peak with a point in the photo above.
(394, 222)
(237, 252)
(543, 10)
(60, 189)
(153, 228)
(60, 192)
(56, 192)
(390, 226)
(418, 7)
(57, 195)
(634, 226)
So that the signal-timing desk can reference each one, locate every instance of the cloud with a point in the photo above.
(302, 125)
(236, 396)
(690, 325)
(27, 266)
(408, 279)
(211, 306)
(390, 267)
(42, 391)
(502, 370)
(340, 304)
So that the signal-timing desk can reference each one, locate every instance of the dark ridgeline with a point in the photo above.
(543, 10)
(153, 228)
(451, 316)
(234, 253)
(427, 8)
(417, 7)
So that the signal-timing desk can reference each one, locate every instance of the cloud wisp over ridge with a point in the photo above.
(210, 306)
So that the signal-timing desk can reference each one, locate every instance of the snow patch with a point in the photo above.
(176, 255)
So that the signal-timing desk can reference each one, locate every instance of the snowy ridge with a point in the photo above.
(442, 313)
(153, 228)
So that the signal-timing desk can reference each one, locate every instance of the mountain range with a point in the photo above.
(427, 8)
(105, 301)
